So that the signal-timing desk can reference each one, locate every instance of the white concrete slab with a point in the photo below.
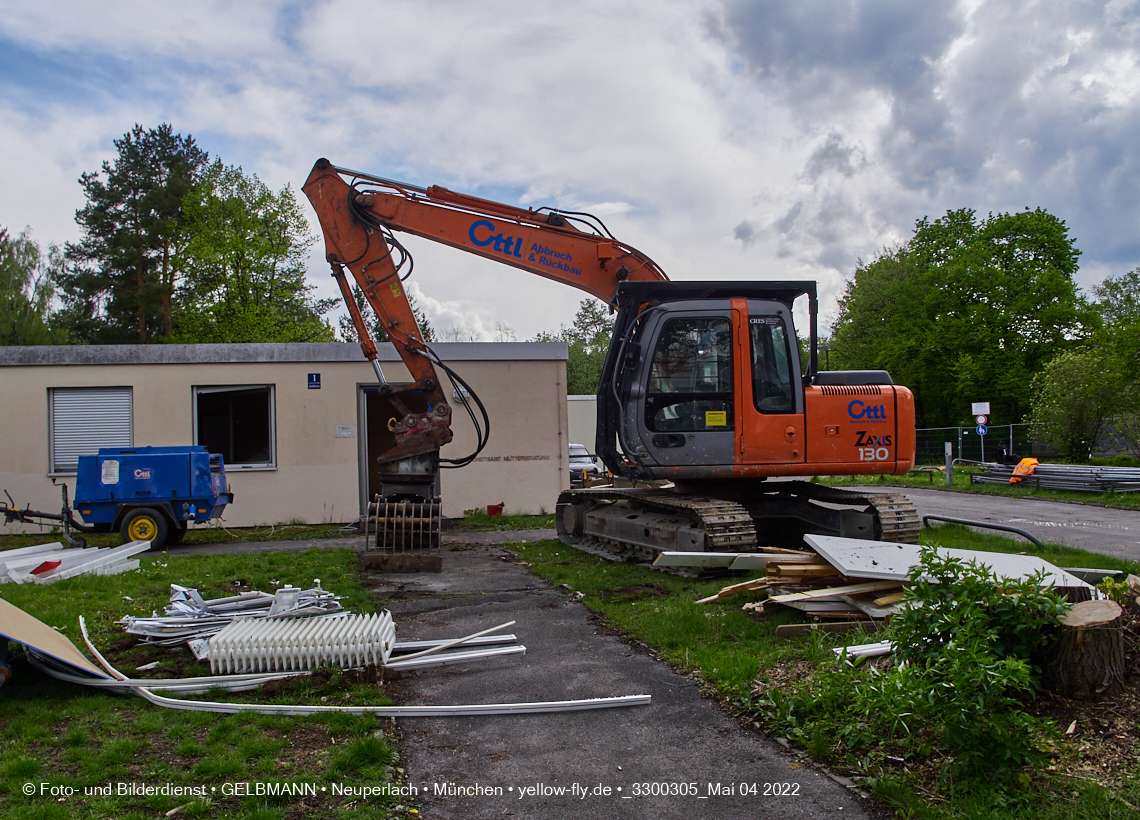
(856, 558)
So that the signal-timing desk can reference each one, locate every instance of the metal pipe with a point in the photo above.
(967, 522)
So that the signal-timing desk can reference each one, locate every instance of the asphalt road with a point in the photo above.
(1096, 529)
(678, 740)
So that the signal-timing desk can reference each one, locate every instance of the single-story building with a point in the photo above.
(300, 425)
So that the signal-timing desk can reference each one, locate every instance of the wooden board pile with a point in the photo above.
(849, 584)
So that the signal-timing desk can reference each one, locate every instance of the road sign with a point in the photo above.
(980, 408)
(982, 429)
(980, 419)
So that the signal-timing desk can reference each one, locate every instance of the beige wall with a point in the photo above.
(317, 477)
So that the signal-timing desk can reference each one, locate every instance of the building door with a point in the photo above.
(376, 439)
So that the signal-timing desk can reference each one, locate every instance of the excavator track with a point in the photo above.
(896, 515)
(640, 523)
(638, 519)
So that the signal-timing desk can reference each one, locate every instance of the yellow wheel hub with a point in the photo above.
(142, 528)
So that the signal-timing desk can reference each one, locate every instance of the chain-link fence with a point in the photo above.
(930, 443)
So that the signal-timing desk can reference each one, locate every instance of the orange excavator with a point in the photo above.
(702, 399)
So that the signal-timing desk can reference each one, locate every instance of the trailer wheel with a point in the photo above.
(145, 524)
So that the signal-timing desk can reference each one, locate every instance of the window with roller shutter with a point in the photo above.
(83, 419)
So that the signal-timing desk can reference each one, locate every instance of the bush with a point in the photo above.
(965, 646)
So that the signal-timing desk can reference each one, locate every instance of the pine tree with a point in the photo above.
(121, 278)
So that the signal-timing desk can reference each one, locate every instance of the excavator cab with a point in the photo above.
(714, 371)
(702, 378)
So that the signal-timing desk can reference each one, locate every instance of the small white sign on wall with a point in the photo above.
(346, 431)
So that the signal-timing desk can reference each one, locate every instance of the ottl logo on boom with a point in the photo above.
(867, 413)
(482, 234)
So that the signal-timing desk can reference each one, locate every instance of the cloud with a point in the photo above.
(727, 139)
(989, 105)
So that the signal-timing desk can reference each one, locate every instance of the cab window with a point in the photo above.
(771, 366)
(690, 377)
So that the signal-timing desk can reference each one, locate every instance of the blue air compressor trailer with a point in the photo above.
(146, 493)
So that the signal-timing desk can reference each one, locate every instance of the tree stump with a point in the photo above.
(1088, 658)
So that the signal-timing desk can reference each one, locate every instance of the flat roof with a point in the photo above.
(63, 355)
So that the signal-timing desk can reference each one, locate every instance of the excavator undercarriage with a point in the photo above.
(641, 523)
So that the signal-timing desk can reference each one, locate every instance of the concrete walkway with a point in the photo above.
(680, 744)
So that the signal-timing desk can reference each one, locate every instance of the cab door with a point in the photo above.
(687, 409)
(771, 395)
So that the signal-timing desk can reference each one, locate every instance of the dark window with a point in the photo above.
(238, 423)
(771, 366)
(690, 377)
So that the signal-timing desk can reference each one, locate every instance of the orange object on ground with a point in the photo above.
(1025, 467)
(495, 509)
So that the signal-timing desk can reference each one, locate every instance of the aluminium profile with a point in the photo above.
(456, 642)
(90, 566)
(402, 647)
(401, 711)
(866, 650)
(229, 683)
(454, 657)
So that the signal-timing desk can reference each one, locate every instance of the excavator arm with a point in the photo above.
(359, 212)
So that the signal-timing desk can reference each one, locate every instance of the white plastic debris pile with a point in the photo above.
(48, 563)
(55, 655)
(189, 618)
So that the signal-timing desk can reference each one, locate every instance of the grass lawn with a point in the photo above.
(735, 654)
(61, 736)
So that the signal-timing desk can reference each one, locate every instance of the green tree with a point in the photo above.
(375, 326)
(968, 310)
(1074, 397)
(244, 261)
(588, 340)
(26, 287)
(1118, 303)
(121, 278)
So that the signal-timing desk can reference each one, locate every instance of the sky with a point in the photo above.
(726, 139)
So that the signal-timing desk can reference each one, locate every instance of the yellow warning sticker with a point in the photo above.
(716, 418)
(395, 290)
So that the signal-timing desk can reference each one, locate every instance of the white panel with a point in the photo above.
(856, 558)
(83, 419)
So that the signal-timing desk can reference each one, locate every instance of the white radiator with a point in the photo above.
(291, 645)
